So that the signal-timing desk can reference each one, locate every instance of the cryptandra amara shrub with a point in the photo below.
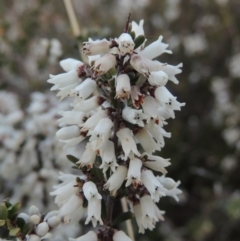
(119, 109)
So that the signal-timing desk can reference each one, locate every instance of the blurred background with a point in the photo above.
(205, 146)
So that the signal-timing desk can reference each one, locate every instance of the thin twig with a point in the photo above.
(74, 24)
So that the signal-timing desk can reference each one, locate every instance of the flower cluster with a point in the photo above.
(120, 106)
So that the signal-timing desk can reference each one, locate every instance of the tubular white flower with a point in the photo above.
(157, 78)
(171, 186)
(42, 229)
(71, 118)
(167, 100)
(70, 64)
(88, 158)
(85, 89)
(96, 47)
(138, 216)
(134, 173)
(64, 80)
(129, 147)
(70, 207)
(123, 87)
(90, 191)
(138, 28)
(108, 156)
(136, 96)
(89, 104)
(158, 133)
(139, 63)
(66, 91)
(94, 212)
(150, 106)
(156, 163)
(68, 132)
(155, 49)
(133, 116)
(73, 142)
(90, 236)
(170, 70)
(152, 184)
(116, 180)
(146, 140)
(159, 213)
(125, 44)
(149, 217)
(92, 121)
(120, 236)
(104, 64)
(66, 189)
(101, 133)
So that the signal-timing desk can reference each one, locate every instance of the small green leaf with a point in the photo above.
(85, 203)
(3, 212)
(133, 35)
(98, 172)
(14, 210)
(8, 204)
(20, 222)
(72, 159)
(2, 222)
(130, 28)
(27, 227)
(14, 231)
(123, 217)
(139, 41)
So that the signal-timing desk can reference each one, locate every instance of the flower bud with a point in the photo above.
(24, 216)
(34, 210)
(42, 229)
(54, 221)
(70, 64)
(68, 132)
(157, 78)
(33, 237)
(35, 219)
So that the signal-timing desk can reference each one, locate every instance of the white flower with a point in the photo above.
(66, 91)
(90, 191)
(71, 118)
(134, 172)
(85, 89)
(116, 180)
(64, 80)
(157, 78)
(90, 236)
(139, 63)
(120, 236)
(108, 156)
(134, 116)
(123, 86)
(138, 216)
(138, 28)
(94, 212)
(92, 121)
(152, 184)
(70, 64)
(104, 64)
(70, 207)
(146, 140)
(158, 133)
(171, 186)
(101, 133)
(150, 106)
(125, 43)
(96, 47)
(66, 189)
(88, 158)
(89, 104)
(156, 163)
(155, 49)
(136, 96)
(42, 229)
(129, 147)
